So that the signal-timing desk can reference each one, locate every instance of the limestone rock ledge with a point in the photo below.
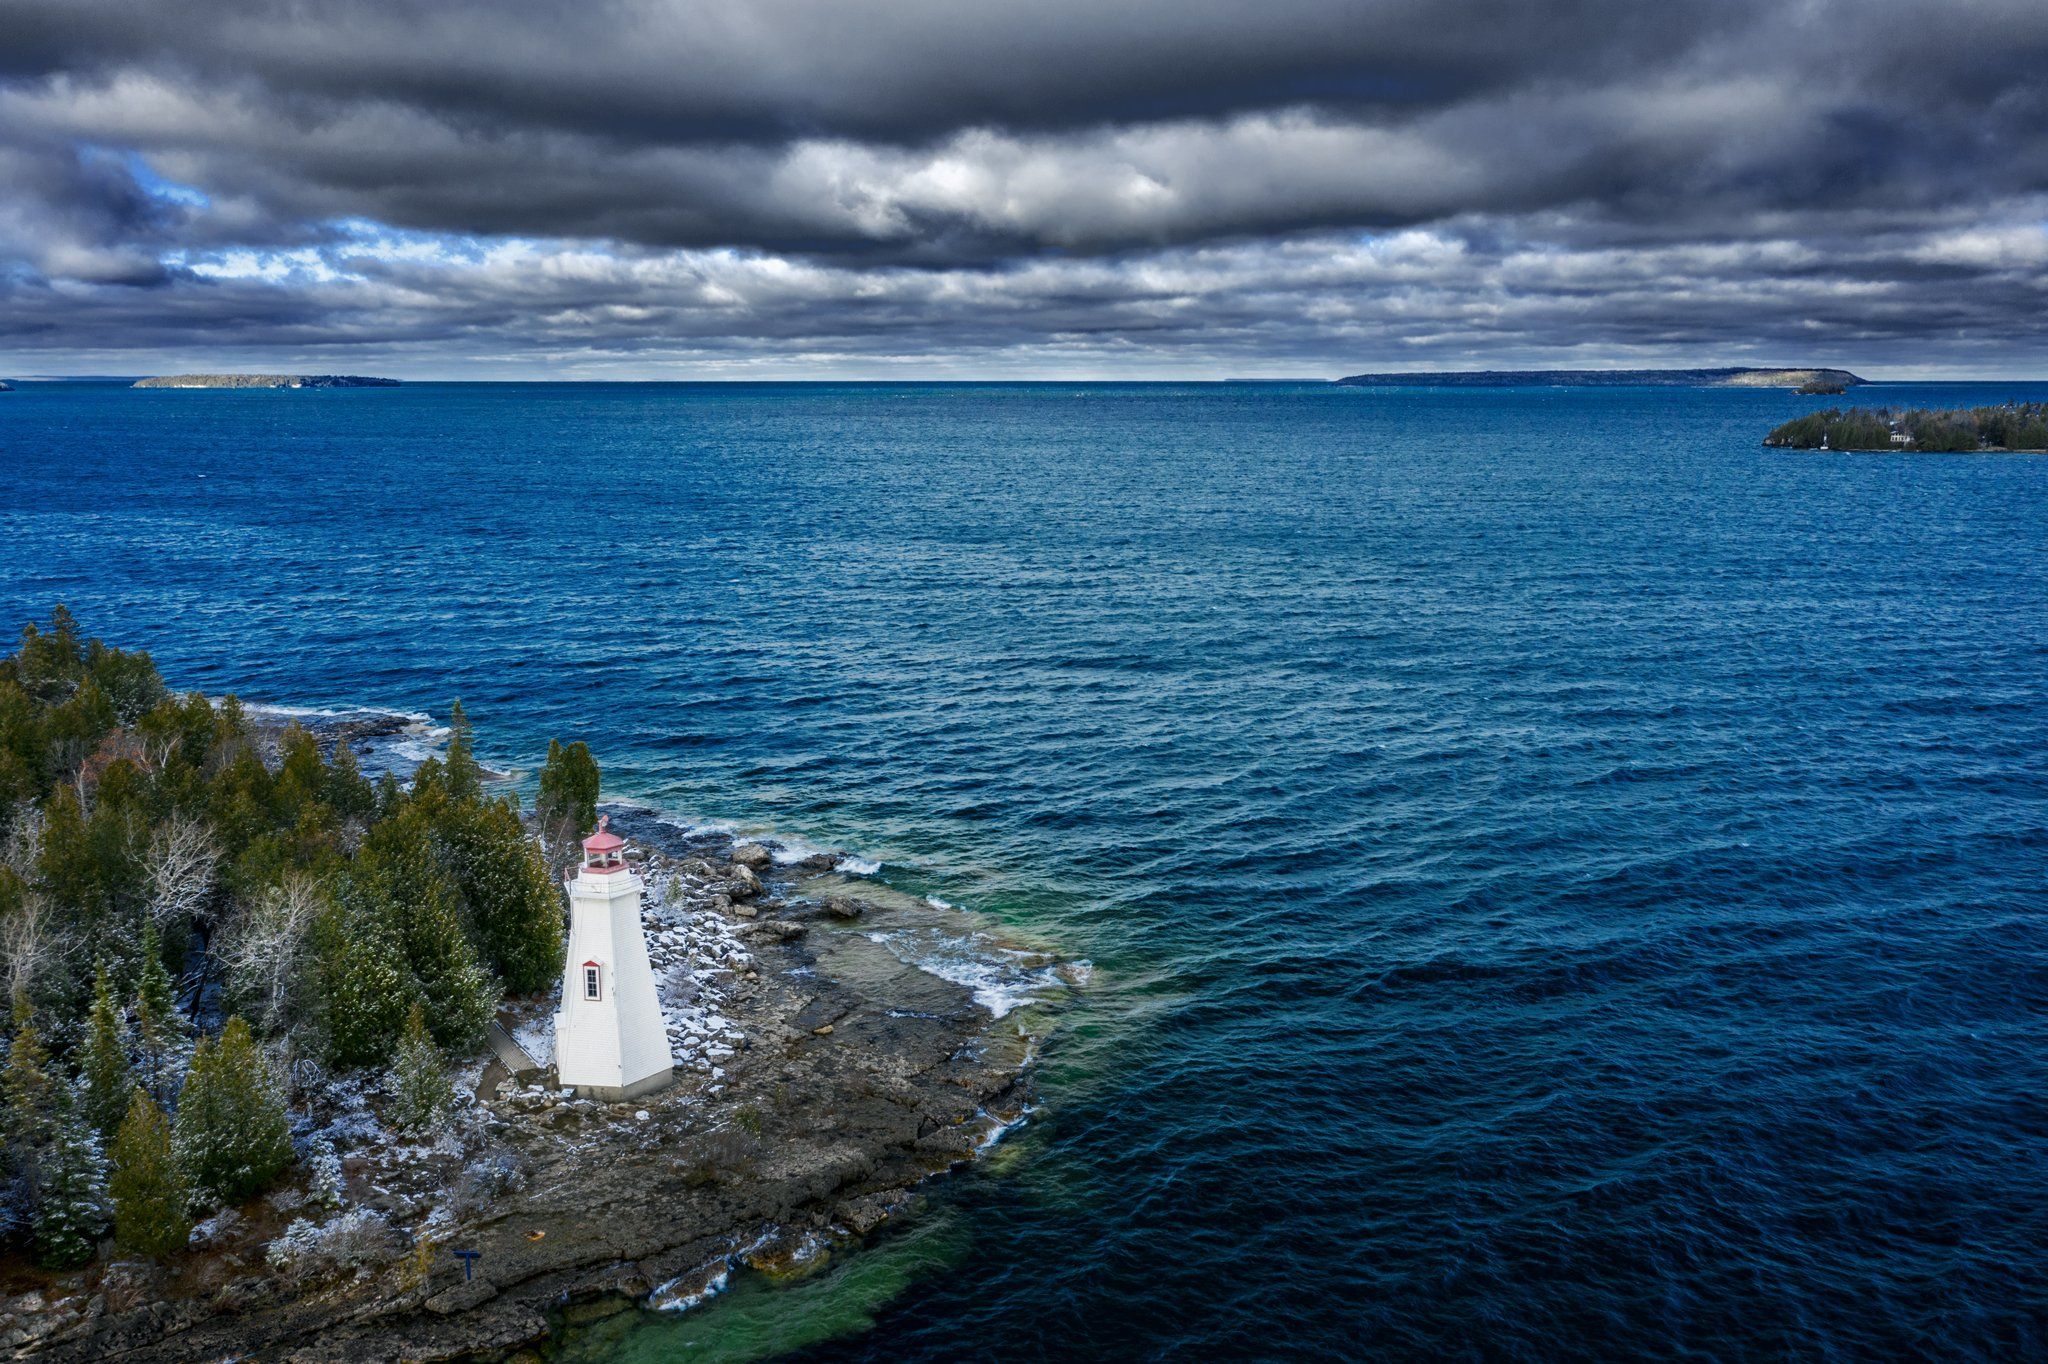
(857, 1078)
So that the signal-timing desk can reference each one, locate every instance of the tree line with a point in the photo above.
(181, 919)
(2011, 426)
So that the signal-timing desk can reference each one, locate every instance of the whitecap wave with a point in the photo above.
(857, 866)
(667, 1299)
(265, 709)
(998, 1129)
(789, 848)
(1001, 979)
(418, 745)
(695, 828)
(672, 1297)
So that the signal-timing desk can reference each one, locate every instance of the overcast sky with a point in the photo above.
(1073, 188)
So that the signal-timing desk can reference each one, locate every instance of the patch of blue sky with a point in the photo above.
(157, 186)
(299, 264)
(366, 236)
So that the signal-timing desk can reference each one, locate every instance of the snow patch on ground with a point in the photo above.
(695, 955)
(536, 1037)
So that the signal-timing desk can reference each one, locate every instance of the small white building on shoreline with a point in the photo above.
(611, 1042)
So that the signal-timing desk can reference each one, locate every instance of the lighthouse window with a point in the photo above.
(590, 982)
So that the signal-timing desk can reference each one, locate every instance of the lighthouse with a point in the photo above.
(610, 1040)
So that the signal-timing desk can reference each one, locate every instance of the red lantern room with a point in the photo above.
(603, 851)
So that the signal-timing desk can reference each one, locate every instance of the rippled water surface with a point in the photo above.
(1563, 881)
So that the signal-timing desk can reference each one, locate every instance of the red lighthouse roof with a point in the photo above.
(604, 840)
(601, 849)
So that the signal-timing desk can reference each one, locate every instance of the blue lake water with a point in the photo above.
(1563, 881)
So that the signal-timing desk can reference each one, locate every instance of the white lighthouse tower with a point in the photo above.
(610, 1040)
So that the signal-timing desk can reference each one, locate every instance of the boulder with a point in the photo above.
(753, 857)
(774, 930)
(862, 1215)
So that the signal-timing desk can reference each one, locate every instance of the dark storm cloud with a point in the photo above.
(1101, 185)
(663, 70)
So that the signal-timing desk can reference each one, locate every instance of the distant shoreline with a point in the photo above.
(1734, 376)
(264, 381)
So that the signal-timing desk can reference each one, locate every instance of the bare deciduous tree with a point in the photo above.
(24, 844)
(28, 946)
(264, 949)
(181, 863)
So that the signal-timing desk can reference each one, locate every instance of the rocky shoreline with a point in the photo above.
(820, 1079)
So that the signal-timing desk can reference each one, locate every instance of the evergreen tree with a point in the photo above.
(349, 792)
(160, 1032)
(567, 803)
(71, 1202)
(514, 904)
(361, 981)
(31, 1095)
(151, 1196)
(324, 1178)
(65, 865)
(49, 666)
(129, 680)
(399, 877)
(24, 750)
(28, 1107)
(104, 1063)
(231, 1134)
(388, 795)
(154, 988)
(459, 993)
(463, 776)
(419, 1081)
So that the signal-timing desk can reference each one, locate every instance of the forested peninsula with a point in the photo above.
(1732, 376)
(2011, 427)
(266, 1088)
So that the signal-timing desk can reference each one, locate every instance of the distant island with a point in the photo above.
(1731, 377)
(264, 381)
(2020, 428)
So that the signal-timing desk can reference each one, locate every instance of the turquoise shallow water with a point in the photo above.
(1563, 881)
